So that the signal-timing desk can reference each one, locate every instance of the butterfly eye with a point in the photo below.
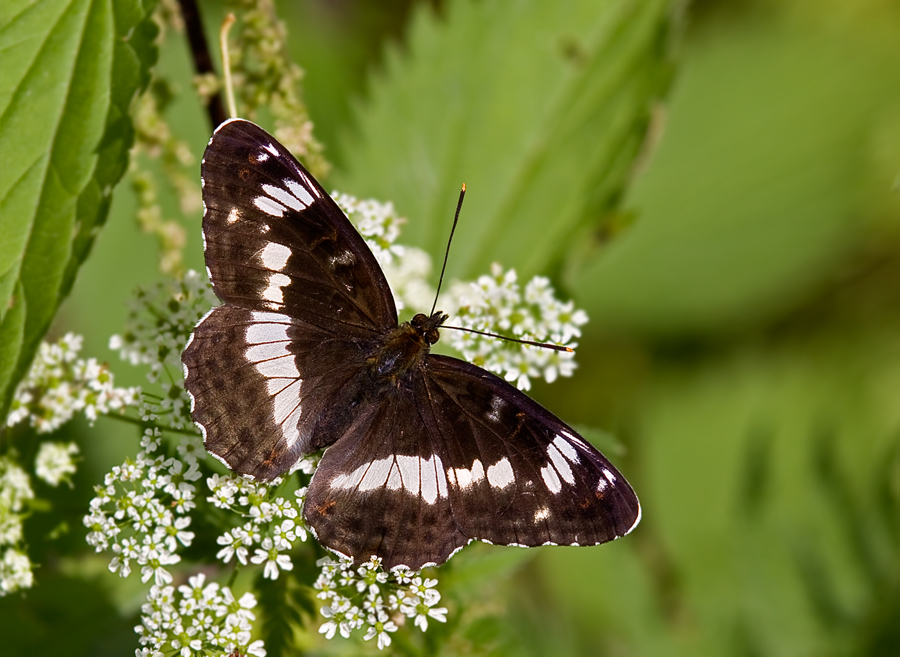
(419, 320)
(432, 336)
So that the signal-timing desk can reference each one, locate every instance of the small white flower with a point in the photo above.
(284, 534)
(273, 560)
(380, 625)
(495, 304)
(15, 572)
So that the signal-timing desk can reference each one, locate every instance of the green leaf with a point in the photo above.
(71, 69)
(541, 113)
(755, 195)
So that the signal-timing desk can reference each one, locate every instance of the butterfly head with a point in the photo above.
(406, 347)
(428, 327)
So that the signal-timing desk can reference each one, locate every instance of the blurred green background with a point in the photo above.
(741, 268)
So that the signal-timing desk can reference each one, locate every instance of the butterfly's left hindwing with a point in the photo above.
(261, 382)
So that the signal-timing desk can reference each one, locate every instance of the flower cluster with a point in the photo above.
(54, 463)
(272, 522)
(368, 597)
(141, 512)
(59, 384)
(496, 304)
(198, 619)
(15, 492)
(160, 319)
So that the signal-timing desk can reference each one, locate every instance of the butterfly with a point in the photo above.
(424, 453)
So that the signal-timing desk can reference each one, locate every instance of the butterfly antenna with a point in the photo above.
(226, 63)
(542, 345)
(462, 195)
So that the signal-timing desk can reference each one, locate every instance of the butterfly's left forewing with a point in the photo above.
(305, 301)
(274, 240)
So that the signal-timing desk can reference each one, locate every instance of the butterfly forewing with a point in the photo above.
(304, 301)
(274, 240)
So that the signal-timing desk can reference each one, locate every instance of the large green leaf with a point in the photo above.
(70, 71)
(540, 111)
(755, 194)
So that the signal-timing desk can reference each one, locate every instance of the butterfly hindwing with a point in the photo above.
(517, 474)
(381, 490)
(461, 455)
(260, 382)
(274, 240)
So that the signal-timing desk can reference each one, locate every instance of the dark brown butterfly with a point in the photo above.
(423, 453)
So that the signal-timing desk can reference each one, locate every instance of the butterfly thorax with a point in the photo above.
(405, 347)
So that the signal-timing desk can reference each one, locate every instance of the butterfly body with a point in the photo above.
(423, 452)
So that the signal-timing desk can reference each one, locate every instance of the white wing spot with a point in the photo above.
(610, 477)
(465, 478)
(566, 448)
(310, 184)
(551, 479)
(267, 327)
(268, 340)
(541, 514)
(429, 481)
(346, 258)
(394, 481)
(496, 404)
(285, 197)
(299, 191)
(271, 148)
(262, 156)
(270, 207)
(418, 476)
(350, 480)
(409, 472)
(266, 352)
(560, 464)
(274, 293)
(575, 439)
(278, 368)
(500, 475)
(274, 256)
(376, 473)
(234, 215)
(286, 407)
